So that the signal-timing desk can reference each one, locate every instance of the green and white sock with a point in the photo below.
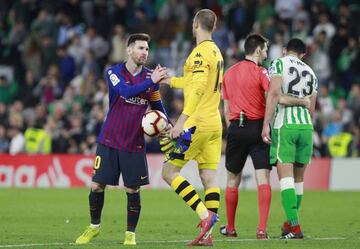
(299, 190)
(289, 200)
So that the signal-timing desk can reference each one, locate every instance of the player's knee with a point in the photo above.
(208, 178)
(165, 173)
(97, 187)
(169, 173)
(262, 176)
(132, 189)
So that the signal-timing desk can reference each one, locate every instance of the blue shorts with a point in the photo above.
(110, 163)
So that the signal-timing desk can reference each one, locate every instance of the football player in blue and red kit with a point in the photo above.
(120, 144)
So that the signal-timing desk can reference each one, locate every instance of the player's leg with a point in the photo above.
(208, 178)
(208, 160)
(259, 153)
(302, 158)
(133, 214)
(231, 202)
(299, 171)
(96, 203)
(264, 200)
(135, 174)
(106, 171)
(171, 175)
(237, 150)
(283, 150)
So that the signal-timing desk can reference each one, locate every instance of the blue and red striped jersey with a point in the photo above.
(129, 97)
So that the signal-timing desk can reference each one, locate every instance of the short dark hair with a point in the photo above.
(206, 18)
(138, 37)
(253, 41)
(296, 45)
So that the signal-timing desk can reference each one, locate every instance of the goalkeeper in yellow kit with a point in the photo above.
(203, 72)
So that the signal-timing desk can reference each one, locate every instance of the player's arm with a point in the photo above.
(225, 97)
(177, 82)
(293, 101)
(272, 98)
(271, 102)
(227, 112)
(313, 96)
(117, 83)
(200, 74)
(155, 101)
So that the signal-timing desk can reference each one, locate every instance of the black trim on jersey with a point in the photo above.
(250, 61)
(205, 41)
(198, 71)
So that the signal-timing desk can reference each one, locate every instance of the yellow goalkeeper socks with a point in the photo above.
(184, 189)
(212, 199)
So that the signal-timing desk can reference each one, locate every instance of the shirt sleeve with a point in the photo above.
(156, 103)
(223, 88)
(177, 82)
(117, 83)
(264, 79)
(200, 75)
(276, 68)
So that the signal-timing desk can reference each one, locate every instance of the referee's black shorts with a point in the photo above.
(244, 141)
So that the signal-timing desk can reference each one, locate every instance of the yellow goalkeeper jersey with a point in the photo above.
(201, 83)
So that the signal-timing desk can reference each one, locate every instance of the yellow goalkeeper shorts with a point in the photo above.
(205, 149)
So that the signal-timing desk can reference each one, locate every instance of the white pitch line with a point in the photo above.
(160, 241)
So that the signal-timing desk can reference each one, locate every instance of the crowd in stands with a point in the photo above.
(53, 97)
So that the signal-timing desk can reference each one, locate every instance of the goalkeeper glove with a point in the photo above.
(182, 145)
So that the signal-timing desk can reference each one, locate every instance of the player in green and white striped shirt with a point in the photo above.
(291, 138)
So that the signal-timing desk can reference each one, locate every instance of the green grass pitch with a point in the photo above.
(53, 218)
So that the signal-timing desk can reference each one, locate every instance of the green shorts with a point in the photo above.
(291, 145)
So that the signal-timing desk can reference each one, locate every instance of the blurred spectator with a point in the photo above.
(4, 142)
(77, 50)
(92, 41)
(354, 103)
(320, 58)
(37, 141)
(348, 63)
(8, 90)
(325, 101)
(287, 9)
(119, 44)
(276, 48)
(325, 25)
(334, 127)
(66, 67)
(32, 56)
(17, 140)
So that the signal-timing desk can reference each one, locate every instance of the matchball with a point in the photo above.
(154, 122)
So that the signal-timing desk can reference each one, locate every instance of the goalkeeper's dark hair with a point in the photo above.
(253, 41)
(207, 19)
(296, 45)
(138, 37)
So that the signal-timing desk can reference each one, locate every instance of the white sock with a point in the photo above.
(95, 225)
(299, 188)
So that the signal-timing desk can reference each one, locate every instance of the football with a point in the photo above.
(154, 122)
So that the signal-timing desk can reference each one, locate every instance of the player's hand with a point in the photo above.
(165, 80)
(167, 145)
(265, 134)
(307, 102)
(159, 73)
(176, 130)
(165, 133)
